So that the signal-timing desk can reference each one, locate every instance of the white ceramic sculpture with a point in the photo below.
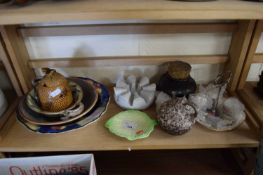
(134, 93)
(3, 103)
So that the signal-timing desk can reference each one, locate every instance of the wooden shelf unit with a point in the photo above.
(246, 90)
(79, 10)
(95, 137)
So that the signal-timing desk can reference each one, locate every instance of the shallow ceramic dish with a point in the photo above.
(75, 109)
(98, 110)
(131, 124)
(90, 97)
(230, 113)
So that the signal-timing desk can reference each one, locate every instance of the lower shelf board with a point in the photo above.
(96, 137)
(183, 162)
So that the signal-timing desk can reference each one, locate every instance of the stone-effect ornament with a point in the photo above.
(176, 116)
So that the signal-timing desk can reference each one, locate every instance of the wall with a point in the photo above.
(121, 45)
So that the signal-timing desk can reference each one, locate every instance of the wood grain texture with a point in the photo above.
(258, 58)
(18, 55)
(11, 99)
(124, 61)
(250, 53)
(6, 62)
(49, 11)
(252, 101)
(238, 50)
(6, 121)
(96, 137)
(118, 29)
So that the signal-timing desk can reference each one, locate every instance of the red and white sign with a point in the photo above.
(81, 164)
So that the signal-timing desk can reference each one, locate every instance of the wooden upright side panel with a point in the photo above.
(18, 54)
(251, 53)
(238, 49)
(9, 69)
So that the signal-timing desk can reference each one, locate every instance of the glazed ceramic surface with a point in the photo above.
(177, 81)
(216, 111)
(176, 116)
(53, 92)
(230, 113)
(134, 93)
(76, 108)
(89, 100)
(160, 99)
(91, 116)
(3, 103)
(131, 124)
(176, 87)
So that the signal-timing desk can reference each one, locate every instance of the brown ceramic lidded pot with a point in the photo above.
(179, 70)
(54, 92)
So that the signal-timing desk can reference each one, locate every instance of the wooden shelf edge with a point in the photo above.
(126, 61)
(95, 137)
(46, 11)
(258, 58)
(120, 29)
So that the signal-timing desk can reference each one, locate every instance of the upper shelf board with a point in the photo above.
(81, 10)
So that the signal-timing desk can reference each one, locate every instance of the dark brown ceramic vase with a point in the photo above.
(54, 92)
(177, 81)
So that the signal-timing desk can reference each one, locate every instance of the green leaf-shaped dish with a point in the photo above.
(131, 124)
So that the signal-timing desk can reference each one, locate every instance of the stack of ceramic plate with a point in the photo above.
(93, 97)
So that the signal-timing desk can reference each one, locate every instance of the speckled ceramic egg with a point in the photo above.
(54, 92)
(176, 116)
